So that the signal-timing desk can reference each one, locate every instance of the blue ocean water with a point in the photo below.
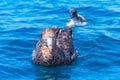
(98, 44)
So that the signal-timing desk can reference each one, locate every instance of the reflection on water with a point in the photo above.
(53, 73)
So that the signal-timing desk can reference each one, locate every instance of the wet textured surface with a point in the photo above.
(98, 44)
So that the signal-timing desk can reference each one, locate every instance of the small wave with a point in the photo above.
(114, 35)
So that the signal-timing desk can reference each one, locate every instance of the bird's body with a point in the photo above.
(79, 21)
(76, 19)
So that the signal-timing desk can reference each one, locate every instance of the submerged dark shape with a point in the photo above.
(55, 46)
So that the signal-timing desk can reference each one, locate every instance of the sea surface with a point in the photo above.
(98, 43)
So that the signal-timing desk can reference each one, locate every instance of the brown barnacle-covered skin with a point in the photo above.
(62, 51)
(65, 43)
(43, 55)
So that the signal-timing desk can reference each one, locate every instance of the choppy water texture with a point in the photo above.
(98, 44)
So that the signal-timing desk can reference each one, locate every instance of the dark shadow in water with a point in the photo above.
(53, 73)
